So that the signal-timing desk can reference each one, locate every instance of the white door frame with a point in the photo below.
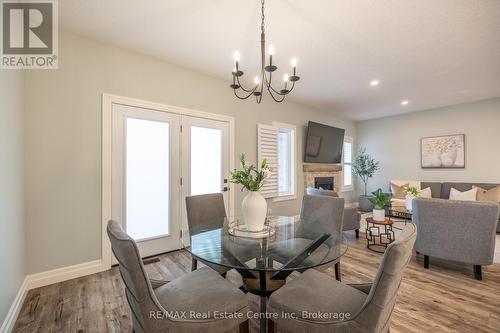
(107, 107)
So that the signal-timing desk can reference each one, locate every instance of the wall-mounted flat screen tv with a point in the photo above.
(323, 143)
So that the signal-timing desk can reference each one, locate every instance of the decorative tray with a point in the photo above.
(238, 228)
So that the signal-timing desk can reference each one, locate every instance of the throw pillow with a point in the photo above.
(398, 191)
(491, 195)
(426, 193)
(469, 195)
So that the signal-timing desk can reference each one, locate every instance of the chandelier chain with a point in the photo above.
(263, 17)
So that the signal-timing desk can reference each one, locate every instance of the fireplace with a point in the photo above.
(326, 176)
(325, 183)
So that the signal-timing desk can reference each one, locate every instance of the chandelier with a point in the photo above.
(264, 79)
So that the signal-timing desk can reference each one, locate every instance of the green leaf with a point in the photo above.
(249, 177)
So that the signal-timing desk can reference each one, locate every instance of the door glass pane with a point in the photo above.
(206, 160)
(147, 178)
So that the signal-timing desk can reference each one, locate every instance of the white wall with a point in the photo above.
(11, 187)
(63, 141)
(395, 142)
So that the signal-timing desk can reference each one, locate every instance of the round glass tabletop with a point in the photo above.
(294, 244)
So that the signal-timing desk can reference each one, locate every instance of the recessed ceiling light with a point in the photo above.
(405, 102)
(374, 83)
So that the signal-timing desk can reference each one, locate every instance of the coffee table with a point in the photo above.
(377, 239)
(400, 213)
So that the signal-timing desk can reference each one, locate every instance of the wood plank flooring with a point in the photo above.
(445, 298)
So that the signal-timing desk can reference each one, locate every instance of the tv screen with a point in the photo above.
(323, 143)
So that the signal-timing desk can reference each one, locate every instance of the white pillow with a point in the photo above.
(426, 193)
(469, 195)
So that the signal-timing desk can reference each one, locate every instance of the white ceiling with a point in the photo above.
(431, 52)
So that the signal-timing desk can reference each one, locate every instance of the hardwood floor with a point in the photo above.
(445, 298)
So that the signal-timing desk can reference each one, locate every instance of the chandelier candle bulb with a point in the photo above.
(270, 50)
(256, 80)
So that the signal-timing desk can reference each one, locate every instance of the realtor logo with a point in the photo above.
(29, 34)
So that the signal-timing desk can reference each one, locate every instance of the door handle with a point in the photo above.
(225, 189)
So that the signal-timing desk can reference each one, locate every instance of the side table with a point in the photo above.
(379, 234)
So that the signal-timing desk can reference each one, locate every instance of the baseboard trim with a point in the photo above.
(42, 279)
(11, 318)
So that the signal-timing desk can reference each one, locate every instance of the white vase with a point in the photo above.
(254, 209)
(378, 214)
(408, 201)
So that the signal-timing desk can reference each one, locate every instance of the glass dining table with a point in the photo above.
(264, 263)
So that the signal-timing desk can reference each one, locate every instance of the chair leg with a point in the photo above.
(478, 275)
(357, 233)
(194, 264)
(426, 261)
(244, 327)
(338, 273)
(271, 326)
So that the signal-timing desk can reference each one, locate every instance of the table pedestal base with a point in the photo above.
(264, 286)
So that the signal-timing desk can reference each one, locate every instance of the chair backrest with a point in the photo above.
(318, 191)
(376, 312)
(205, 212)
(462, 231)
(321, 214)
(140, 295)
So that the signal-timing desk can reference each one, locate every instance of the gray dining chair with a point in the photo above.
(319, 214)
(326, 213)
(356, 308)
(351, 219)
(153, 302)
(205, 212)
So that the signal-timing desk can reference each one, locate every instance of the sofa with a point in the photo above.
(441, 191)
(462, 231)
(351, 218)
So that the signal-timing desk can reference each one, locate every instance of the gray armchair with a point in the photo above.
(151, 301)
(462, 231)
(356, 308)
(351, 217)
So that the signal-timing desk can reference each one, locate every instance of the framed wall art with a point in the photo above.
(443, 151)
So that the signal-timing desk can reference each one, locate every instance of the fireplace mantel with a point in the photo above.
(320, 167)
(313, 170)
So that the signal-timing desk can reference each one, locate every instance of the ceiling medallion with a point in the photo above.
(266, 74)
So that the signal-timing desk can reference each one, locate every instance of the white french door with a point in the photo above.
(157, 159)
(205, 160)
(145, 177)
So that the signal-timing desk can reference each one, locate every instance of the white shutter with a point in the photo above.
(267, 148)
(347, 168)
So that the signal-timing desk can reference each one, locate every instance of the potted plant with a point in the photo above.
(364, 166)
(379, 200)
(253, 206)
(411, 193)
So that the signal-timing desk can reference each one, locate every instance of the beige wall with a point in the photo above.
(395, 142)
(63, 142)
(11, 187)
